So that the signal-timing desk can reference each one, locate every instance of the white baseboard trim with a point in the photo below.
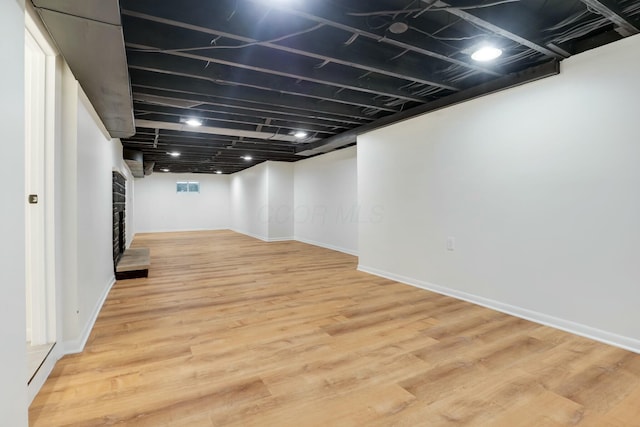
(327, 246)
(255, 236)
(605, 337)
(185, 230)
(77, 345)
(44, 371)
(280, 239)
(263, 238)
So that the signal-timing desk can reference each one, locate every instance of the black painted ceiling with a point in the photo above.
(257, 71)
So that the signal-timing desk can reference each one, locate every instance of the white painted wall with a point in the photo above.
(88, 157)
(539, 187)
(13, 364)
(326, 200)
(280, 200)
(249, 202)
(67, 207)
(158, 207)
(95, 220)
(262, 201)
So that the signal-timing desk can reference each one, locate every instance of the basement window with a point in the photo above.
(187, 187)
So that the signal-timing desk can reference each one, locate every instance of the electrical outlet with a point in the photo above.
(451, 243)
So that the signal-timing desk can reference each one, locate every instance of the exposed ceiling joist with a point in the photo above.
(403, 41)
(319, 51)
(256, 70)
(260, 61)
(199, 87)
(613, 13)
(224, 75)
(500, 30)
(149, 109)
(167, 96)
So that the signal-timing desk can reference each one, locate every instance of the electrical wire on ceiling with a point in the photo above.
(432, 9)
(322, 64)
(428, 91)
(352, 39)
(632, 9)
(401, 54)
(443, 39)
(568, 21)
(274, 135)
(461, 75)
(581, 29)
(580, 24)
(371, 111)
(413, 85)
(520, 56)
(213, 44)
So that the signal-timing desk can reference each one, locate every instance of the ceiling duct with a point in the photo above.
(148, 167)
(134, 159)
(89, 35)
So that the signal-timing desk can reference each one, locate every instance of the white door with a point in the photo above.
(38, 294)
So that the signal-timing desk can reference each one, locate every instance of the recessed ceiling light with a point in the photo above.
(486, 53)
(219, 172)
(300, 134)
(247, 158)
(173, 153)
(165, 170)
(193, 122)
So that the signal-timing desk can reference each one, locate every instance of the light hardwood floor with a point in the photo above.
(231, 331)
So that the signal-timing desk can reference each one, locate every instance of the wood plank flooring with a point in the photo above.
(231, 331)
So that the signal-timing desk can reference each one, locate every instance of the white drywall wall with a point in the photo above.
(326, 200)
(13, 363)
(249, 202)
(539, 187)
(158, 207)
(95, 218)
(280, 200)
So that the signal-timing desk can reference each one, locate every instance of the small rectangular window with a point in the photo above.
(188, 187)
(182, 187)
